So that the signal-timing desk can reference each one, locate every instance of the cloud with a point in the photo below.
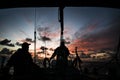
(44, 38)
(47, 33)
(5, 51)
(88, 29)
(18, 44)
(96, 37)
(5, 42)
(11, 45)
(43, 29)
(29, 40)
(43, 48)
(44, 33)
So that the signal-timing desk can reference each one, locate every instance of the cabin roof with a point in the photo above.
(57, 3)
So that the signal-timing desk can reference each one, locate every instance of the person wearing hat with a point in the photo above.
(21, 61)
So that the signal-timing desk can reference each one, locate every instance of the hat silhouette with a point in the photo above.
(25, 44)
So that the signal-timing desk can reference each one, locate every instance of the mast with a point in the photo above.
(35, 38)
(61, 20)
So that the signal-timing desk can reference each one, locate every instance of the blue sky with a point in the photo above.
(85, 27)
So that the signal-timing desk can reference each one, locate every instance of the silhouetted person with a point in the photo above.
(3, 75)
(77, 61)
(2, 62)
(62, 54)
(21, 61)
(46, 63)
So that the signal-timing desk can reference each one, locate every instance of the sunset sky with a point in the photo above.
(88, 28)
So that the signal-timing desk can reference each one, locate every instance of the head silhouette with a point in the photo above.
(62, 43)
(25, 46)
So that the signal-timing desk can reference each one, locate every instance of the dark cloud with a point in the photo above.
(99, 28)
(18, 44)
(86, 30)
(48, 33)
(44, 33)
(44, 38)
(98, 37)
(5, 42)
(43, 48)
(29, 40)
(5, 51)
(43, 29)
(11, 45)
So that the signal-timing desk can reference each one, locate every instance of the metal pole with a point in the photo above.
(35, 38)
(61, 20)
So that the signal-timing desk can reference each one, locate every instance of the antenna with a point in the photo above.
(45, 44)
(35, 37)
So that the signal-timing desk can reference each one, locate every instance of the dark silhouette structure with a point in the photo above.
(62, 54)
(22, 63)
(46, 63)
(2, 62)
(18, 59)
(77, 61)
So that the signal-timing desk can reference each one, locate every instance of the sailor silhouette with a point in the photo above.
(21, 61)
(62, 54)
